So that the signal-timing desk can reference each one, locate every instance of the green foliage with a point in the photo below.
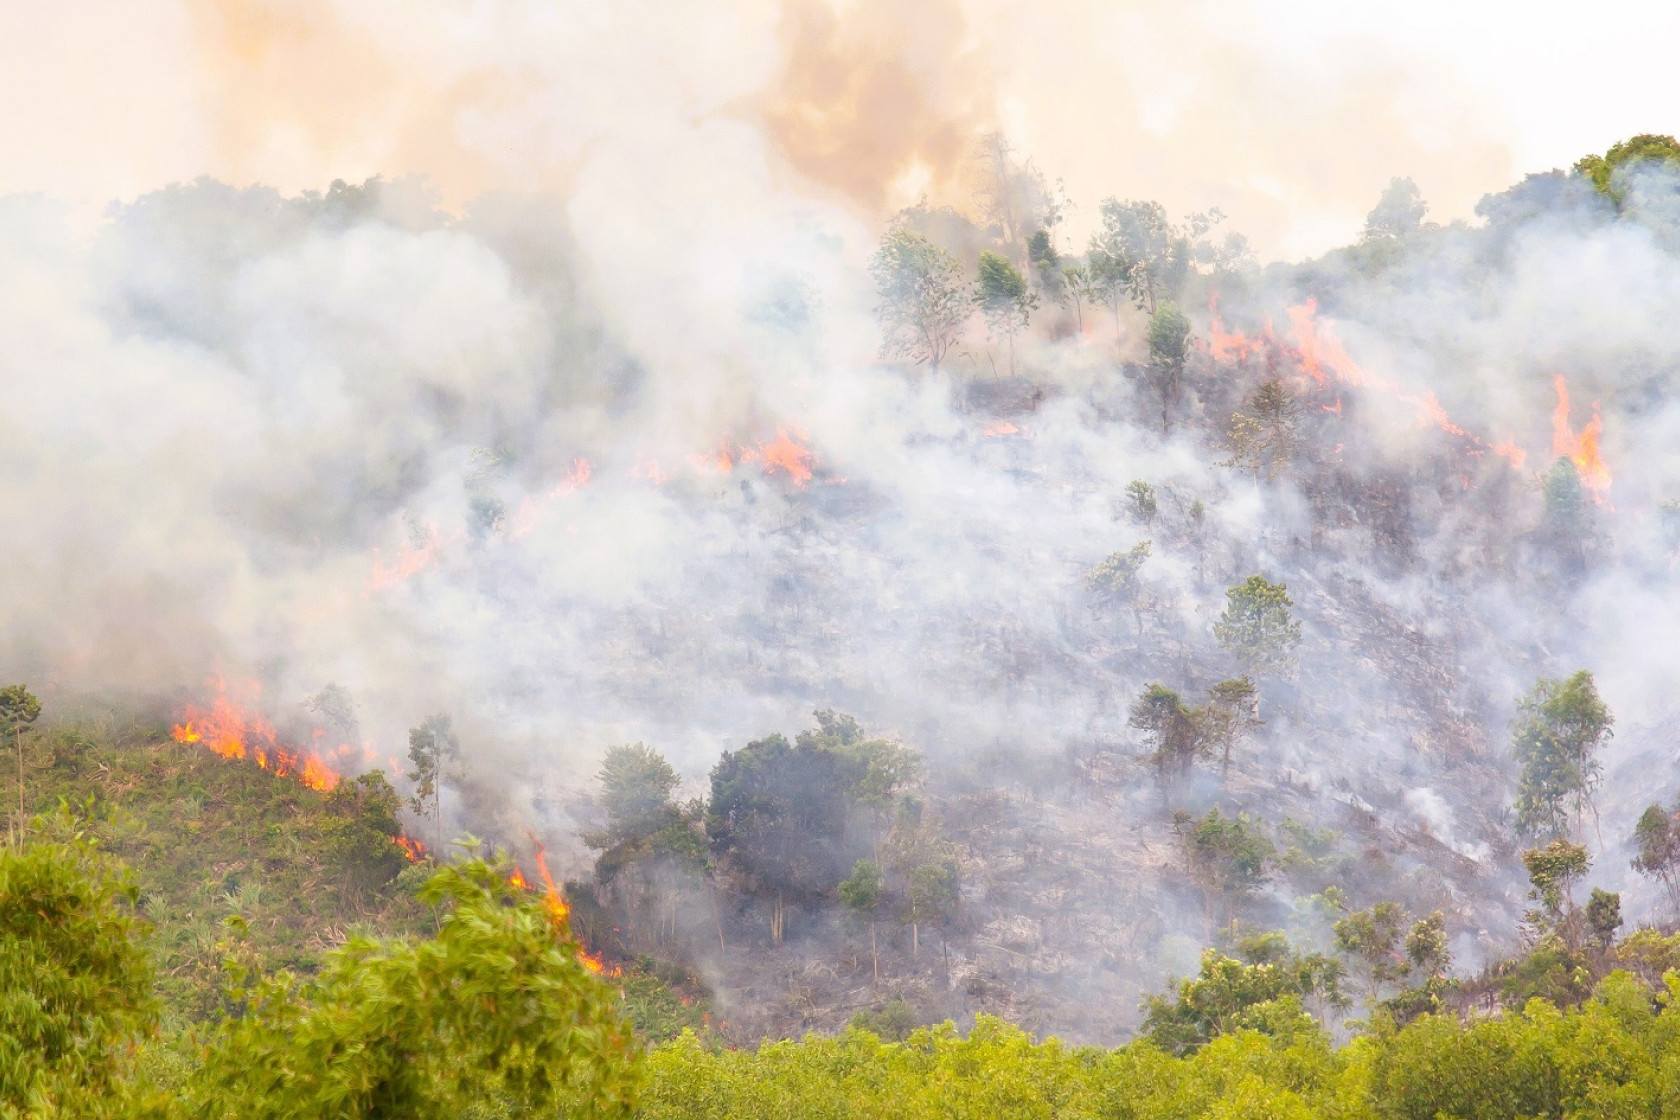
(1115, 580)
(1636, 150)
(1656, 838)
(863, 889)
(777, 817)
(1261, 989)
(1604, 916)
(1141, 495)
(1397, 215)
(1004, 299)
(922, 299)
(497, 1009)
(75, 983)
(1228, 855)
(1169, 348)
(1172, 730)
(1265, 435)
(431, 748)
(636, 787)
(1257, 628)
(1558, 732)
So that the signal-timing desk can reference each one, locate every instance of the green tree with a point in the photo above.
(1372, 938)
(75, 980)
(1116, 582)
(1004, 299)
(361, 830)
(1553, 872)
(776, 821)
(1567, 514)
(1262, 989)
(636, 787)
(1230, 717)
(862, 892)
(1141, 495)
(1169, 348)
(1257, 629)
(1560, 727)
(922, 300)
(1138, 244)
(1604, 917)
(1172, 729)
(1646, 148)
(431, 748)
(18, 710)
(1656, 837)
(1265, 436)
(498, 1011)
(1397, 215)
(1227, 857)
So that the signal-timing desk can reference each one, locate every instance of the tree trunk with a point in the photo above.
(915, 939)
(874, 953)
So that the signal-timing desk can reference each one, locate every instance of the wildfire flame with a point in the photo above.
(413, 850)
(530, 510)
(1321, 356)
(228, 729)
(999, 428)
(783, 453)
(1580, 448)
(414, 558)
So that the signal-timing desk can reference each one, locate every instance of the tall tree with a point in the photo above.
(1004, 299)
(1173, 730)
(1560, 727)
(922, 299)
(1169, 348)
(777, 821)
(18, 710)
(431, 748)
(1397, 215)
(1265, 434)
(1154, 256)
(1644, 149)
(1257, 627)
(1656, 838)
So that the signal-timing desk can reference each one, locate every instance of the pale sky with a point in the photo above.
(1289, 116)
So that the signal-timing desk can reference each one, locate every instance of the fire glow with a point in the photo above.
(1580, 448)
(227, 728)
(1320, 355)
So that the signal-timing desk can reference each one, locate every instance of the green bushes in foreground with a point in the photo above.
(497, 1016)
(1616, 1056)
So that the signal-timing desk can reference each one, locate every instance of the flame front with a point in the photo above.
(228, 729)
(1580, 448)
(1322, 358)
(783, 453)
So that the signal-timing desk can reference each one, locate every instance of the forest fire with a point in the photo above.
(998, 428)
(228, 729)
(1321, 356)
(559, 913)
(532, 508)
(413, 850)
(1580, 448)
(785, 454)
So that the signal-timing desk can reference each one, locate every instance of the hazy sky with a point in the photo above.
(1290, 116)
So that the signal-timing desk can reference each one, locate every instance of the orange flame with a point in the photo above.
(1231, 346)
(782, 453)
(413, 850)
(226, 728)
(530, 510)
(998, 428)
(412, 559)
(1580, 449)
